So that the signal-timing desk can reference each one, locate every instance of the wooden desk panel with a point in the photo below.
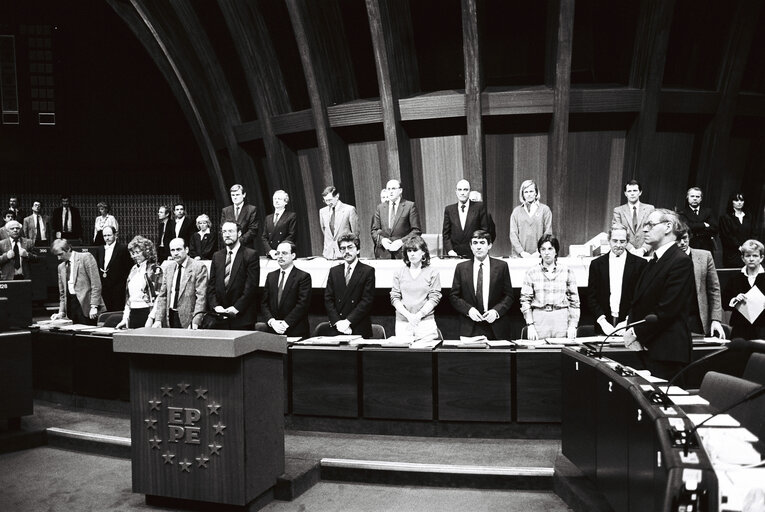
(325, 381)
(538, 385)
(16, 375)
(53, 361)
(397, 384)
(98, 371)
(474, 385)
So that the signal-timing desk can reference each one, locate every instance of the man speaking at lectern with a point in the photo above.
(665, 289)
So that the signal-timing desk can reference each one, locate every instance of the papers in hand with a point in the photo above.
(753, 306)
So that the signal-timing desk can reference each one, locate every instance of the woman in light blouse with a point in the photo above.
(143, 284)
(104, 219)
(416, 291)
(528, 222)
(549, 298)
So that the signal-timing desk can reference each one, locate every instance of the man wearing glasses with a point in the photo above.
(665, 289)
(350, 291)
(393, 220)
(286, 296)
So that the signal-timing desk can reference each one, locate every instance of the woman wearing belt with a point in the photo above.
(549, 298)
(143, 284)
(416, 291)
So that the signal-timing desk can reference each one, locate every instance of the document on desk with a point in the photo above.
(755, 303)
(721, 420)
(688, 400)
(741, 488)
(499, 343)
(329, 340)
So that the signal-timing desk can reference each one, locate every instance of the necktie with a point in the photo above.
(332, 222)
(281, 289)
(177, 286)
(16, 255)
(67, 228)
(695, 211)
(68, 273)
(276, 218)
(391, 207)
(347, 274)
(634, 218)
(463, 207)
(236, 213)
(38, 235)
(479, 290)
(227, 273)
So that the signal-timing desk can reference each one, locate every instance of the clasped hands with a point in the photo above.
(22, 253)
(231, 310)
(391, 246)
(490, 316)
(279, 326)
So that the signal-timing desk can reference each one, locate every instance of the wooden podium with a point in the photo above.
(207, 420)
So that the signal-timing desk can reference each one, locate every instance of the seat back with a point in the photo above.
(324, 329)
(585, 331)
(109, 319)
(755, 369)
(723, 390)
(378, 332)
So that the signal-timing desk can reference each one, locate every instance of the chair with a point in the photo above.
(755, 369)
(378, 332)
(585, 331)
(109, 318)
(524, 333)
(723, 390)
(324, 329)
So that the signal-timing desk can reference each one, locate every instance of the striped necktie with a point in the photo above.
(227, 274)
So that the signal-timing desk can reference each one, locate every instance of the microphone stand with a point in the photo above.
(597, 352)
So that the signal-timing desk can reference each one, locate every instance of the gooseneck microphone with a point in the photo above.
(649, 319)
(749, 396)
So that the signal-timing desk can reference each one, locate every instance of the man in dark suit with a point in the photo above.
(234, 279)
(482, 292)
(114, 265)
(279, 226)
(183, 225)
(13, 205)
(393, 221)
(701, 222)
(612, 280)
(16, 253)
(66, 221)
(165, 233)
(245, 215)
(461, 220)
(665, 289)
(36, 227)
(286, 296)
(350, 291)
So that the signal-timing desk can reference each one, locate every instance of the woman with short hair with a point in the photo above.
(143, 284)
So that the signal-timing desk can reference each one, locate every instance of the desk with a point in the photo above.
(15, 376)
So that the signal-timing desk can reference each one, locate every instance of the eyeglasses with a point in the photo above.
(346, 248)
(652, 225)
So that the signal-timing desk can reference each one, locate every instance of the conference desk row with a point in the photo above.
(469, 385)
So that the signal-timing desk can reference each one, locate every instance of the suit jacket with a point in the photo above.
(242, 286)
(203, 247)
(462, 296)
(169, 233)
(354, 301)
(406, 222)
(57, 222)
(454, 236)
(665, 289)
(701, 235)
(87, 282)
(187, 229)
(7, 269)
(284, 231)
(248, 221)
(296, 296)
(114, 277)
(191, 296)
(29, 227)
(623, 216)
(599, 289)
(707, 288)
(346, 221)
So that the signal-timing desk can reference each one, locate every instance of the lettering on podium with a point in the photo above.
(200, 428)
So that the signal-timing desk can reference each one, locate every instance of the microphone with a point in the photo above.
(649, 319)
(749, 396)
(734, 344)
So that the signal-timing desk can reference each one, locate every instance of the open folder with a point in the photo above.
(755, 303)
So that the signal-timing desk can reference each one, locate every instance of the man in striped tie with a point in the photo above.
(286, 296)
(234, 279)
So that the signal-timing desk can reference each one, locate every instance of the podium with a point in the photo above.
(207, 420)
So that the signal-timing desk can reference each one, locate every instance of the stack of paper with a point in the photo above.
(329, 340)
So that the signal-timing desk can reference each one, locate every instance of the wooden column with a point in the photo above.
(647, 72)
(269, 94)
(713, 153)
(329, 80)
(560, 38)
(391, 30)
(475, 172)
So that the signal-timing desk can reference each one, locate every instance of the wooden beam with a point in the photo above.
(646, 74)
(328, 79)
(559, 52)
(713, 152)
(390, 25)
(475, 172)
(143, 28)
(676, 101)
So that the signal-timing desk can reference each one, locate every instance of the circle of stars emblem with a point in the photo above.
(210, 408)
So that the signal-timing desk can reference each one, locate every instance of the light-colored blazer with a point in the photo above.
(707, 288)
(30, 227)
(623, 216)
(7, 270)
(346, 221)
(192, 295)
(87, 282)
